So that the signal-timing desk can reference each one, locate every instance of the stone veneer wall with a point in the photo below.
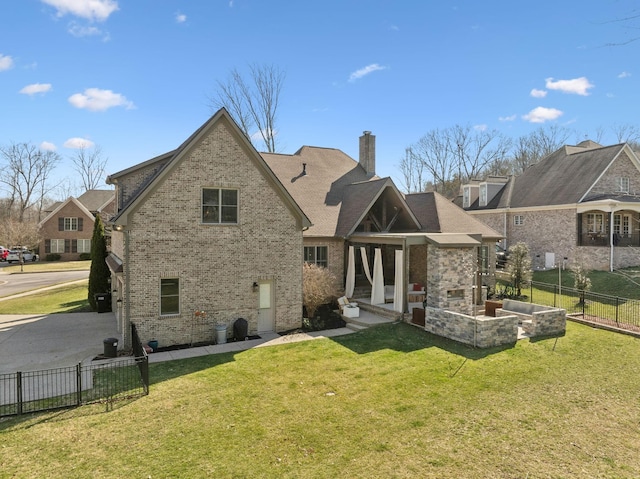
(481, 331)
(216, 264)
(451, 269)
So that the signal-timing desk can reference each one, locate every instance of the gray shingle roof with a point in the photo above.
(94, 199)
(321, 191)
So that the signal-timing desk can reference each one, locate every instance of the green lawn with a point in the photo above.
(43, 266)
(624, 283)
(388, 402)
(64, 299)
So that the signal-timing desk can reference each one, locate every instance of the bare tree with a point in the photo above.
(626, 133)
(475, 149)
(25, 175)
(90, 165)
(253, 102)
(531, 148)
(413, 172)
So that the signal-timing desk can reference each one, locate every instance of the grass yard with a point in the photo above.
(65, 299)
(624, 283)
(44, 266)
(388, 402)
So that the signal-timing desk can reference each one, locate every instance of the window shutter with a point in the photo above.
(47, 246)
(67, 246)
(74, 246)
(61, 224)
(79, 224)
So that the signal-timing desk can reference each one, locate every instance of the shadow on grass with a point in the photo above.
(405, 338)
(164, 371)
(80, 306)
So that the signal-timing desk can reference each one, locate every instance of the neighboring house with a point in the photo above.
(581, 204)
(439, 245)
(204, 235)
(68, 228)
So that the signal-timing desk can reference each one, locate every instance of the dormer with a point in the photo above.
(489, 188)
(470, 193)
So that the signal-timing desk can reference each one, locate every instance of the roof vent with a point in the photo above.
(304, 169)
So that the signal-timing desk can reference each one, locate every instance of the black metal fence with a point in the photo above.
(596, 308)
(107, 381)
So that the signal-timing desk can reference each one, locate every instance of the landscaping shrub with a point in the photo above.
(85, 256)
(319, 287)
(52, 257)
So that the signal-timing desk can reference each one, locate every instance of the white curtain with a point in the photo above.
(351, 274)
(377, 288)
(365, 264)
(398, 292)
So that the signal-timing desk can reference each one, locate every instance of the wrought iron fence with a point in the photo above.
(108, 380)
(597, 308)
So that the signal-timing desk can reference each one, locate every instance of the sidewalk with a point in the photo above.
(266, 339)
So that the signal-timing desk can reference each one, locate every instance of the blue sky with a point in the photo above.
(134, 76)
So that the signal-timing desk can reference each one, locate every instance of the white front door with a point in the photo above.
(266, 314)
(549, 260)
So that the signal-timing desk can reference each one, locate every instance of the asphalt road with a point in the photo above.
(20, 282)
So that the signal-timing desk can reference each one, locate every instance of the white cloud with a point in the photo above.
(92, 10)
(78, 143)
(507, 118)
(82, 31)
(181, 18)
(47, 146)
(480, 127)
(365, 71)
(579, 86)
(535, 93)
(6, 62)
(36, 88)
(95, 99)
(542, 114)
(624, 75)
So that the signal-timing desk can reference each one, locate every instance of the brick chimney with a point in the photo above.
(368, 153)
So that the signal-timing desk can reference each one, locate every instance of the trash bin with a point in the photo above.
(240, 329)
(110, 347)
(103, 302)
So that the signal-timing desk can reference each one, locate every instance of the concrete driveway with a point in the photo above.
(36, 341)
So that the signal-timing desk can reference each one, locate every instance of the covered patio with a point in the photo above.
(381, 267)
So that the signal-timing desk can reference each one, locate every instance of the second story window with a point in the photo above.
(518, 220)
(483, 195)
(71, 224)
(219, 206)
(466, 197)
(623, 184)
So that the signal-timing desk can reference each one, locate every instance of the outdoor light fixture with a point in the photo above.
(254, 286)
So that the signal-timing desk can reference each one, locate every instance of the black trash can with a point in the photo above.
(240, 329)
(103, 302)
(110, 347)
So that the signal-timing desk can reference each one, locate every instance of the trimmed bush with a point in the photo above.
(85, 256)
(52, 257)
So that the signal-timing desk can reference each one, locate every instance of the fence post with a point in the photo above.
(617, 309)
(19, 391)
(79, 384)
(555, 292)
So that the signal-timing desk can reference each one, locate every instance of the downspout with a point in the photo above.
(405, 277)
(127, 295)
(611, 241)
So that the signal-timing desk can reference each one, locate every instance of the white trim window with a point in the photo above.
(483, 259)
(483, 195)
(622, 225)
(169, 296)
(623, 184)
(595, 223)
(219, 206)
(466, 197)
(518, 220)
(317, 255)
(57, 246)
(84, 246)
(71, 224)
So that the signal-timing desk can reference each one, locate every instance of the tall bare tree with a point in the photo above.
(90, 165)
(413, 172)
(626, 133)
(531, 148)
(25, 175)
(253, 102)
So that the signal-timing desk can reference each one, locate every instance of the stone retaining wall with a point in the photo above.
(479, 331)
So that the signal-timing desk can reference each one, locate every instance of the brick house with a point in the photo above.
(579, 204)
(68, 227)
(206, 227)
(440, 245)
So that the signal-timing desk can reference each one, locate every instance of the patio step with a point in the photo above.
(354, 326)
(366, 319)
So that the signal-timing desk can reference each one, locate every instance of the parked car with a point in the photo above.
(502, 256)
(14, 256)
(3, 253)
